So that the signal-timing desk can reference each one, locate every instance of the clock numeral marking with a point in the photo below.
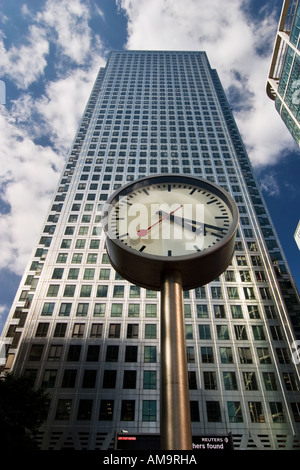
(169, 252)
(124, 235)
(169, 188)
(146, 192)
(142, 248)
(193, 190)
(197, 248)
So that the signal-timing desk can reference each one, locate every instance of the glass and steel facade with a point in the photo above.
(283, 84)
(92, 338)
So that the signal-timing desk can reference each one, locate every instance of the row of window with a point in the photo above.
(112, 354)
(150, 310)
(233, 293)
(129, 380)
(256, 411)
(223, 331)
(107, 274)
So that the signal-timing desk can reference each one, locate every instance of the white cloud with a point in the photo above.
(25, 64)
(63, 104)
(238, 46)
(69, 21)
(29, 166)
(28, 177)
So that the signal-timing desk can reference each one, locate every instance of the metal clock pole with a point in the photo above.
(175, 419)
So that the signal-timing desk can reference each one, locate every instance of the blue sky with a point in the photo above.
(50, 52)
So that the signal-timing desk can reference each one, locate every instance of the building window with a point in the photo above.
(114, 330)
(195, 415)
(240, 332)
(82, 310)
(65, 309)
(234, 412)
(96, 330)
(116, 310)
(112, 353)
(269, 381)
(258, 332)
(236, 311)
(58, 273)
(106, 410)
(256, 412)
(129, 379)
(78, 330)
(42, 330)
(85, 291)
(264, 355)
(127, 410)
(93, 353)
(213, 412)
(52, 290)
(99, 310)
(69, 378)
(89, 379)
(63, 409)
(150, 354)
(104, 274)
(250, 381)
(204, 332)
(223, 332)
(73, 273)
(131, 353)
(149, 380)
(245, 355)
(48, 308)
(151, 310)
(36, 352)
(69, 290)
(277, 412)
(210, 380)
(149, 410)
(230, 382)
(134, 291)
(49, 378)
(85, 410)
(102, 291)
(226, 356)
(132, 331)
(133, 310)
(118, 291)
(207, 355)
(109, 379)
(74, 353)
(60, 330)
(202, 311)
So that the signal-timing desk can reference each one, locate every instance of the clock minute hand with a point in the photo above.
(187, 223)
(144, 231)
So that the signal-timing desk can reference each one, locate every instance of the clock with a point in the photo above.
(170, 222)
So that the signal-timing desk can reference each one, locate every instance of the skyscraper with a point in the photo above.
(92, 338)
(283, 85)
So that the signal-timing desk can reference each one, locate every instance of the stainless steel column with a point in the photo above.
(175, 419)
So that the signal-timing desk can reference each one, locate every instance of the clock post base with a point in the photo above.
(175, 419)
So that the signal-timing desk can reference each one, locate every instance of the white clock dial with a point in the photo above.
(169, 219)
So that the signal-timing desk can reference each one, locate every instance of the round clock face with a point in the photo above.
(170, 217)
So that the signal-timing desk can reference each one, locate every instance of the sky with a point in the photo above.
(50, 53)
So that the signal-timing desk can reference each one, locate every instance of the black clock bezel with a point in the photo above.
(197, 268)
